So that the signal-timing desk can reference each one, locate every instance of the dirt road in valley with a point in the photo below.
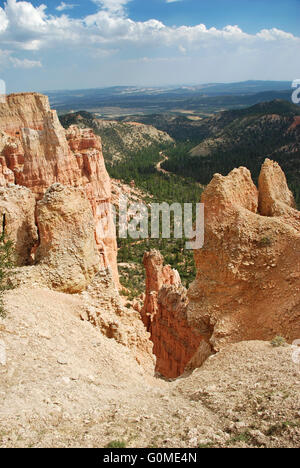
(159, 164)
(163, 171)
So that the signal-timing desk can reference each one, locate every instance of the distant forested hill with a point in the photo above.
(119, 139)
(242, 138)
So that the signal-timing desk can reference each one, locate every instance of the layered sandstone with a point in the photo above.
(165, 317)
(35, 152)
(23, 110)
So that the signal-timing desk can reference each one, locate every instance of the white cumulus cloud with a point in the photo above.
(29, 29)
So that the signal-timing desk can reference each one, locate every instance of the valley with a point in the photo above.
(194, 152)
(233, 138)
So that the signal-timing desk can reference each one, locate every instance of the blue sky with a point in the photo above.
(52, 44)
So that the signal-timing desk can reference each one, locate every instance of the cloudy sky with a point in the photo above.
(73, 44)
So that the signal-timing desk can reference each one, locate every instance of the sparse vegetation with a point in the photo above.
(133, 279)
(265, 242)
(6, 264)
(243, 437)
(205, 446)
(278, 429)
(116, 444)
(119, 140)
(278, 341)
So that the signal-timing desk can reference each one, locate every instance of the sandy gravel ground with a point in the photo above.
(66, 385)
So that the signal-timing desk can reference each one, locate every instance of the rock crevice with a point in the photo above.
(165, 316)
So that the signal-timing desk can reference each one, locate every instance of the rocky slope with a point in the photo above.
(67, 260)
(119, 139)
(66, 385)
(236, 128)
(35, 152)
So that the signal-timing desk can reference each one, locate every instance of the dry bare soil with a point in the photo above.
(66, 385)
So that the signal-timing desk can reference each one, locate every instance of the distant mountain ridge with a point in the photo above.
(183, 128)
(209, 97)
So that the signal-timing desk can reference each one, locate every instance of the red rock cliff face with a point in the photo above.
(165, 317)
(35, 152)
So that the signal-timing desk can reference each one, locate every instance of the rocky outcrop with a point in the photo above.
(248, 272)
(165, 316)
(67, 254)
(23, 110)
(35, 152)
(10, 155)
(67, 260)
(157, 275)
(175, 341)
(275, 198)
(17, 208)
(96, 182)
(59, 217)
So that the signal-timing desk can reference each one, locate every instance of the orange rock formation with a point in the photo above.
(248, 272)
(157, 275)
(295, 123)
(35, 152)
(67, 255)
(165, 317)
(18, 205)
